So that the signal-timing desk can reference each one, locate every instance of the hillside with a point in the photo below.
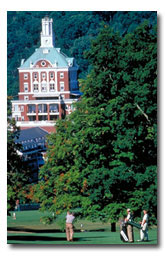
(73, 33)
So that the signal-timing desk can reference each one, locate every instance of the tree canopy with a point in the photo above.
(102, 157)
(18, 174)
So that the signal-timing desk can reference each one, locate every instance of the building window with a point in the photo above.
(43, 118)
(32, 108)
(42, 108)
(51, 75)
(32, 118)
(35, 75)
(61, 75)
(43, 87)
(35, 87)
(22, 108)
(61, 86)
(52, 87)
(43, 63)
(26, 97)
(15, 108)
(22, 118)
(54, 117)
(25, 87)
(25, 76)
(53, 108)
(43, 75)
(67, 107)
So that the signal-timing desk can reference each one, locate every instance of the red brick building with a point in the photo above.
(48, 84)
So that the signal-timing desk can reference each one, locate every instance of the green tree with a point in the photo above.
(17, 173)
(103, 155)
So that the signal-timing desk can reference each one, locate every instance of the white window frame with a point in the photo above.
(43, 75)
(16, 118)
(26, 97)
(35, 75)
(52, 85)
(43, 63)
(62, 86)
(25, 76)
(16, 108)
(52, 75)
(22, 108)
(44, 87)
(26, 87)
(35, 87)
(61, 74)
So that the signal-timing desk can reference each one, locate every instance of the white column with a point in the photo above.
(47, 79)
(31, 81)
(39, 80)
(56, 87)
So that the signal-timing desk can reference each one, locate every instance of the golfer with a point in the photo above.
(130, 227)
(144, 225)
(69, 226)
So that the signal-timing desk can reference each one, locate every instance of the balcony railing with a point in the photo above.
(51, 112)
(35, 123)
(31, 112)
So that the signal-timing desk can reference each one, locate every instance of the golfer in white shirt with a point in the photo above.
(144, 225)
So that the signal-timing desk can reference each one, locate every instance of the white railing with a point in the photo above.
(35, 123)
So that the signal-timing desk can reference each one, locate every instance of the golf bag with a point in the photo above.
(134, 224)
(123, 232)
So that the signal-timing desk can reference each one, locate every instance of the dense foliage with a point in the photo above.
(73, 32)
(102, 158)
(17, 172)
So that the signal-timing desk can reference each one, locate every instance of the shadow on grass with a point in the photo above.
(34, 230)
(36, 238)
(40, 231)
(45, 238)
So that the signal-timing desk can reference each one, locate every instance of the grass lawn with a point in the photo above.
(27, 229)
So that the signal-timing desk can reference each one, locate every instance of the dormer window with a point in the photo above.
(70, 63)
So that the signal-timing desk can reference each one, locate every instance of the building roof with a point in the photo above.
(31, 134)
(51, 54)
(32, 139)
